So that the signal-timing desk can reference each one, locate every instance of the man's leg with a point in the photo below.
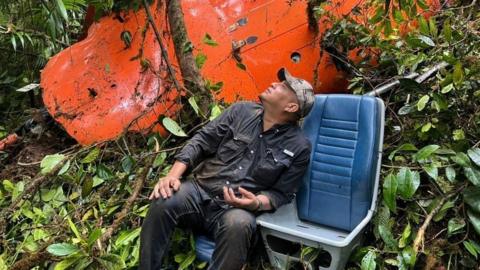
(233, 237)
(184, 206)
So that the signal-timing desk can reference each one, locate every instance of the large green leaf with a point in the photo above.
(443, 211)
(94, 235)
(47, 194)
(368, 261)
(390, 192)
(62, 9)
(473, 175)
(127, 237)
(67, 262)
(387, 237)
(440, 103)
(461, 159)
(187, 261)
(8, 185)
(422, 102)
(159, 159)
(403, 147)
(455, 225)
(408, 182)
(405, 238)
(127, 164)
(426, 40)
(408, 257)
(216, 111)
(475, 220)
(92, 155)
(96, 181)
(458, 73)
(451, 174)
(104, 172)
(112, 262)
(62, 249)
(447, 30)
(432, 23)
(87, 186)
(471, 196)
(194, 105)
(474, 154)
(200, 60)
(50, 161)
(431, 170)
(423, 26)
(64, 168)
(426, 152)
(173, 127)
(472, 247)
(404, 110)
(74, 228)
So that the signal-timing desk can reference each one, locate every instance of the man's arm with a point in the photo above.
(203, 143)
(206, 141)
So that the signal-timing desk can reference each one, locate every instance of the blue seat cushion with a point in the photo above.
(204, 247)
(337, 188)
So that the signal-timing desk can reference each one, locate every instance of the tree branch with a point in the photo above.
(421, 232)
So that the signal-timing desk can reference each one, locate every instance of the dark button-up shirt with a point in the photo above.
(234, 151)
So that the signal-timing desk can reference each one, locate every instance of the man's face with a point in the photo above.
(279, 96)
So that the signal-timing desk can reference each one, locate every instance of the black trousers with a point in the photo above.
(191, 207)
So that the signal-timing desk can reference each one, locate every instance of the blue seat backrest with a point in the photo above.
(337, 189)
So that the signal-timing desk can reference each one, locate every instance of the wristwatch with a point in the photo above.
(260, 205)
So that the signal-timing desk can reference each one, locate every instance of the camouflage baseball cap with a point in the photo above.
(303, 90)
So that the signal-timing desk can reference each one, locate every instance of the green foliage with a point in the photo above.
(173, 127)
(62, 249)
(207, 39)
(432, 131)
(431, 147)
(50, 162)
(368, 261)
(85, 190)
(77, 206)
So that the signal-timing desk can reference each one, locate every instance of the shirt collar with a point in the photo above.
(279, 127)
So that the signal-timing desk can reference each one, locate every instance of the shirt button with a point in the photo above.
(240, 167)
(251, 151)
(216, 197)
(260, 135)
(227, 182)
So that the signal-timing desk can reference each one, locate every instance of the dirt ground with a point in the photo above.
(22, 159)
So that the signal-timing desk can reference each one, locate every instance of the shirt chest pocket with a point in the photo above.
(233, 148)
(273, 163)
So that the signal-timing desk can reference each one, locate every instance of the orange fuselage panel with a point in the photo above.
(102, 86)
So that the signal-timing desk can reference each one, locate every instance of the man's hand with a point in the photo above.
(164, 187)
(248, 200)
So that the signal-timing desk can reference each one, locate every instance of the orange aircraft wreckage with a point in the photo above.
(102, 86)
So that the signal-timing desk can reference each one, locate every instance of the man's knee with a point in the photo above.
(238, 222)
(178, 200)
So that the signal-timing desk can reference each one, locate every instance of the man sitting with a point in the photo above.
(249, 159)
